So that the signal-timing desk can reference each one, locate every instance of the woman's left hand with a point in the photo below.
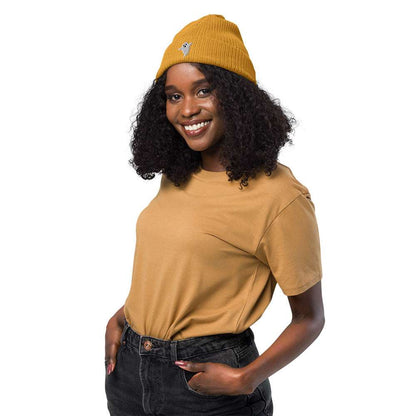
(215, 378)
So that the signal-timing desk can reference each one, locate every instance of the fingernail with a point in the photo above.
(109, 369)
(180, 363)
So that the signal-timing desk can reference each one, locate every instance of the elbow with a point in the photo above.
(318, 324)
(322, 323)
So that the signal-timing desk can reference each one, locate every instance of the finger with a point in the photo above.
(191, 366)
(110, 365)
(110, 358)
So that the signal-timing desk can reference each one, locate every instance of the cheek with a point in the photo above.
(220, 130)
(216, 111)
(214, 105)
(220, 124)
(169, 113)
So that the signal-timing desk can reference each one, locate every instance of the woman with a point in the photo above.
(228, 223)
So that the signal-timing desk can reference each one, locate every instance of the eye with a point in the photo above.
(175, 97)
(171, 97)
(207, 90)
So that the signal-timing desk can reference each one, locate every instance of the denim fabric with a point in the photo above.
(146, 380)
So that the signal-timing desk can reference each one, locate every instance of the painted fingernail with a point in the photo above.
(180, 363)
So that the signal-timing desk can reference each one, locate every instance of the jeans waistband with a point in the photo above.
(183, 349)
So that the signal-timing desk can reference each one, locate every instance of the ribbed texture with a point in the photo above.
(214, 41)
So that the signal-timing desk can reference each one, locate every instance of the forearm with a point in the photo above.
(295, 339)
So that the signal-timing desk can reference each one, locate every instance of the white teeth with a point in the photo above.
(196, 126)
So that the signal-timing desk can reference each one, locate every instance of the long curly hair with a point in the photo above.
(256, 128)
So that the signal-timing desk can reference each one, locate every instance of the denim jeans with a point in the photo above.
(146, 381)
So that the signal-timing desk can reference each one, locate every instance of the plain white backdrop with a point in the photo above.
(72, 76)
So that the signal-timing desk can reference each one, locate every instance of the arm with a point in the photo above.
(307, 323)
(118, 318)
(113, 333)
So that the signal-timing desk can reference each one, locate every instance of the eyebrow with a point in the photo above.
(197, 82)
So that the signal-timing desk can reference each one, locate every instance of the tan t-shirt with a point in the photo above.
(208, 255)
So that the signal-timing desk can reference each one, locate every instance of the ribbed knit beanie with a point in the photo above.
(210, 40)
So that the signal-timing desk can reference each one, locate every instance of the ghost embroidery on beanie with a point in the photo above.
(185, 48)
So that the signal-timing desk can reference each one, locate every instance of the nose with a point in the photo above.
(189, 107)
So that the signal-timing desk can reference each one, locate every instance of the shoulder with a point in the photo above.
(286, 182)
(278, 191)
(282, 186)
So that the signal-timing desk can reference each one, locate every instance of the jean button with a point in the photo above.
(147, 345)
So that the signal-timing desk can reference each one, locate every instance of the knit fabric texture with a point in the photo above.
(211, 40)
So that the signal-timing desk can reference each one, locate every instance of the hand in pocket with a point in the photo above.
(113, 335)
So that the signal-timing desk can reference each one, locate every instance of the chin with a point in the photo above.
(198, 147)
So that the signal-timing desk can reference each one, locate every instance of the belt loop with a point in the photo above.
(174, 350)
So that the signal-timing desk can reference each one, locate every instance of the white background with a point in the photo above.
(72, 75)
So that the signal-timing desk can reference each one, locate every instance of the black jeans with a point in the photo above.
(146, 380)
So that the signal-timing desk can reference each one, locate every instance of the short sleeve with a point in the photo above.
(291, 248)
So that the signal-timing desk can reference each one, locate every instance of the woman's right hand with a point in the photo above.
(113, 333)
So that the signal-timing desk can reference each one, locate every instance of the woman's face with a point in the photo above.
(189, 103)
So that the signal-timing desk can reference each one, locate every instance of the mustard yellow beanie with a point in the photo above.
(210, 40)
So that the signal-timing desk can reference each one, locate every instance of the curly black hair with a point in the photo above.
(256, 128)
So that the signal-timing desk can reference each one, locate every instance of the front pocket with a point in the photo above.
(246, 355)
(226, 356)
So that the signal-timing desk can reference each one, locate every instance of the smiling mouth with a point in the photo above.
(192, 131)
